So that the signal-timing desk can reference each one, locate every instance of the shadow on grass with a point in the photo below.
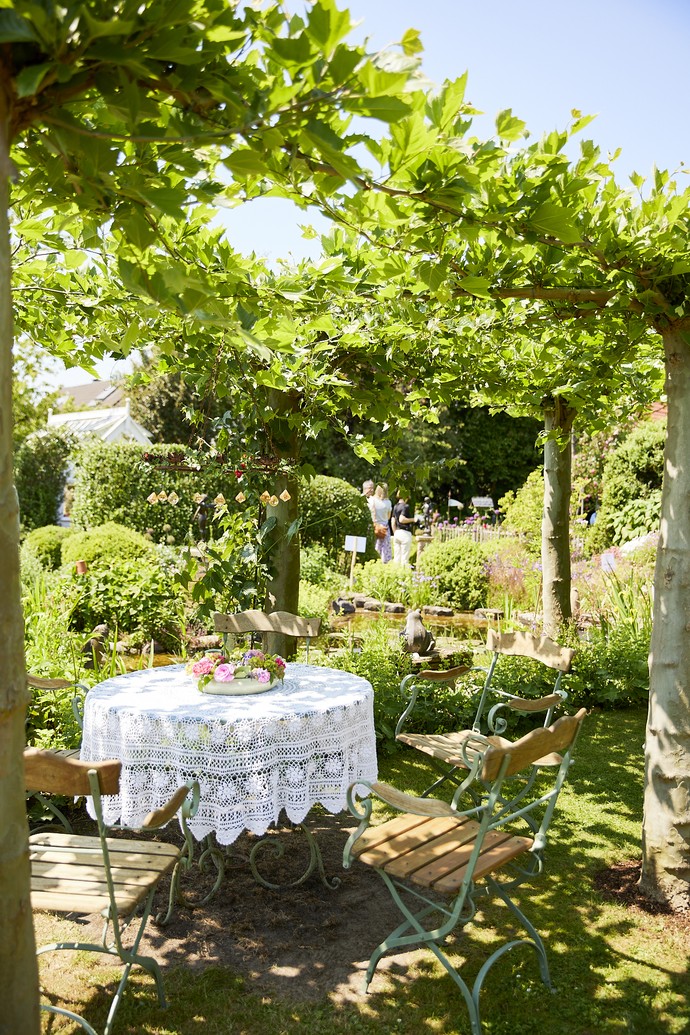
(256, 961)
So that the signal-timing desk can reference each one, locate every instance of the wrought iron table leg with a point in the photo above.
(315, 862)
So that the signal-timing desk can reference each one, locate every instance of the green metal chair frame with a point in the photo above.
(44, 684)
(73, 873)
(439, 859)
(254, 621)
(490, 721)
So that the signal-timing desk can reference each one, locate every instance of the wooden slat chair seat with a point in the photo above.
(448, 751)
(437, 856)
(254, 621)
(85, 874)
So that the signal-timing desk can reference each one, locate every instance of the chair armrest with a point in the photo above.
(540, 704)
(432, 676)
(185, 800)
(409, 803)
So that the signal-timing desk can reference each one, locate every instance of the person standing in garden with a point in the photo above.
(380, 507)
(402, 534)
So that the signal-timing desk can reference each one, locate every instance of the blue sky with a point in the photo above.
(625, 61)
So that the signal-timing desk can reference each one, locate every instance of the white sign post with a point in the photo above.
(354, 544)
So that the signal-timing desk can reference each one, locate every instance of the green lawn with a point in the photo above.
(616, 970)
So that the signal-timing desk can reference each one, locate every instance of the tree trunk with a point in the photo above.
(666, 821)
(282, 587)
(555, 527)
(18, 966)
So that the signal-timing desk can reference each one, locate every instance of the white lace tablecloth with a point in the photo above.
(302, 743)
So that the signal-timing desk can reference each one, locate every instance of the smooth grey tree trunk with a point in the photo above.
(666, 821)
(555, 527)
(18, 966)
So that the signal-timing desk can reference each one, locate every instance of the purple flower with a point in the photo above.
(224, 673)
(246, 658)
(262, 674)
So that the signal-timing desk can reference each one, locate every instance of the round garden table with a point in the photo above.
(300, 744)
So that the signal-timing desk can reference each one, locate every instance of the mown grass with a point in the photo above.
(615, 969)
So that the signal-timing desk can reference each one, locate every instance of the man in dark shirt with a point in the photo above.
(402, 537)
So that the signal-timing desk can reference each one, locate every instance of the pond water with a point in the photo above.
(461, 627)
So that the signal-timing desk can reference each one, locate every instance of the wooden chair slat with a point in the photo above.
(395, 839)
(45, 873)
(493, 858)
(535, 744)
(374, 836)
(426, 854)
(259, 621)
(145, 861)
(53, 773)
(539, 648)
(86, 843)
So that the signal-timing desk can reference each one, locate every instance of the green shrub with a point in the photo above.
(315, 602)
(523, 510)
(105, 545)
(40, 474)
(315, 567)
(385, 581)
(46, 544)
(331, 509)
(134, 597)
(461, 572)
(113, 482)
(631, 489)
(384, 663)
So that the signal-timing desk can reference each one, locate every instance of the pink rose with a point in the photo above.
(202, 667)
(224, 673)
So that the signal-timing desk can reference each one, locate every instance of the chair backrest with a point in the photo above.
(52, 773)
(259, 621)
(525, 645)
(555, 739)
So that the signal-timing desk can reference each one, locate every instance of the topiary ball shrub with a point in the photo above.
(331, 509)
(108, 543)
(46, 544)
(460, 570)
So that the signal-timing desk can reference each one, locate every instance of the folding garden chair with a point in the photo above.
(444, 749)
(438, 859)
(75, 873)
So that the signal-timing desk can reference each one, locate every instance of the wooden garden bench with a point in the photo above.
(440, 858)
(444, 749)
(75, 873)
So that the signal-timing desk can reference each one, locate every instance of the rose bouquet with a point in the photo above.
(226, 668)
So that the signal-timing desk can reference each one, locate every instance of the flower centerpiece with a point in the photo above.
(250, 672)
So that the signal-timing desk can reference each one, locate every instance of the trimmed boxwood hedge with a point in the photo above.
(46, 544)
(331, 509)
(460, 570)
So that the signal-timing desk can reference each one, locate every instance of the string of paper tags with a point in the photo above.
(268, 499)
